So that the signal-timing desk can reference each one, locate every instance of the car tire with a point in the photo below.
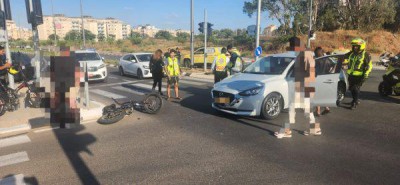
(121, 71)
(139, 74)
(272, 106)
(384, 90)
(341, 93)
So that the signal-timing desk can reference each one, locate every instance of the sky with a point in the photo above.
(164, 14)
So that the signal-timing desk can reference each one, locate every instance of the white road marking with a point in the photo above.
(192, 83)
(129, 90)
(113, 84)
(14, 158)
(112, 77)
(146, 86)
(199, 80)
(107, 94)
(13, 180)
(45, 129)
(14, 141)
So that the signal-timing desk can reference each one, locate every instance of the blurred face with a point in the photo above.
(158, 54)
(356, 48)
(2, 52)
(172, 54)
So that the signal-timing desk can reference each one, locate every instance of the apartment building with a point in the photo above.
(152, 30)
(270, 30)
(108, 27)
(15, 32)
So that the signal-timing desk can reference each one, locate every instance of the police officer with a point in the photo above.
(4, 64)
(235, 58)
(219, 66)
(359, 67)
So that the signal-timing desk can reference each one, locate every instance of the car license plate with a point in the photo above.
(221, 100)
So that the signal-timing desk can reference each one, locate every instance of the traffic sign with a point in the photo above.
(258, 51)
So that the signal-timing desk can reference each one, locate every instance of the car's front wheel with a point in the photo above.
(139, 74)
(121, 71)
(272, 106)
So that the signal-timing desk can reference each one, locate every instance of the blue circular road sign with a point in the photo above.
(258, 51)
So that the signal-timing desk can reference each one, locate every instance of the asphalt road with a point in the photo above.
(190, 143)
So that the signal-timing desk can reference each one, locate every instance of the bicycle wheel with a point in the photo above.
(111, 118)
(152, 103)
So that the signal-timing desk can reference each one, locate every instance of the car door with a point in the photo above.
(211, 54)
(124, 61)
(199, 56)
(134, 65)
(327, 70)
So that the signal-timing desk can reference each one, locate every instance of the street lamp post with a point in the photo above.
(83, 27)
(258, 25)
(310, 26)
(54, 24)
(191, 33)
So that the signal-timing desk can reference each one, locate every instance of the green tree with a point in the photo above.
(51, 37)
(182, 37)
(162, 34)
(101, 37)
(75, 35)
(224, 33)
(111, 38)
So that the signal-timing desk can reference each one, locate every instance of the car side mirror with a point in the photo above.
(102, 58)
(134, 61)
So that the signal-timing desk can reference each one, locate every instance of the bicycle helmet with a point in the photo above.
(13, 70)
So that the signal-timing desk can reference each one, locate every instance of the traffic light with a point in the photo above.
(209, 29)
(201, 27)
(7, 9)
(35, 15)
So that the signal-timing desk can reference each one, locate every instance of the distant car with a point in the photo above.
(97, 70)
(212, 52)
(136, 64)
(263, 87)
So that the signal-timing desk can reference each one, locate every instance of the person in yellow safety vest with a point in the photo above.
(235, 59)
(173, 71)
(358, 69)
(219, 66)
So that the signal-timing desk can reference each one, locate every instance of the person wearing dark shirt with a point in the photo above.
(4, 64)
(234, 56)
(156, 68)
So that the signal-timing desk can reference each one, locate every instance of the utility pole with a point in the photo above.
(7, 46)
(205, 40)
(54, 24)
(310, 26)
(83, 27)
(33, 15)
(258, 26)
(191, 33)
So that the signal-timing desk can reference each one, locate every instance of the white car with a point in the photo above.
(263, 87)
(136, 64)
(97, 70)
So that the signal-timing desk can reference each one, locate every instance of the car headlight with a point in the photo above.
(101, 66)
(146, 67)
(251, 92)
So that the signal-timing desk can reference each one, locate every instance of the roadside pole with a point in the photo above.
(83, 29)
(205, 40)
(310, 26)
(7, 46)
(54, 25)
(191, 34)
(258, 26)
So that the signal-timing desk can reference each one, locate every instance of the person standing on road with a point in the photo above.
(157, 68)
(234, 60)
(173, 72)
(319, 52)
(358, 69)
(219, 66)
(4, 64)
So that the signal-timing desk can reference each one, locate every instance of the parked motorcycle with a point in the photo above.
(9, 98)
(384, 59)
(391, 79)
(150, 104)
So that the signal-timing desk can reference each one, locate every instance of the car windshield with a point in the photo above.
(144, 58)
(87, 56)
(269, 65)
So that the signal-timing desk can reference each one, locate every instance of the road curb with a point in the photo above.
(86, 116)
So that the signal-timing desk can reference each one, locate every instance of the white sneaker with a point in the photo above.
(314, 132)
(281, 135)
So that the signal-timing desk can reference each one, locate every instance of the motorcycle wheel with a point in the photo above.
(152, 103)
(106, 120)
(2, 106)
(384, 90)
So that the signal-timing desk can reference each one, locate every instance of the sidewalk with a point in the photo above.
(25, 118)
